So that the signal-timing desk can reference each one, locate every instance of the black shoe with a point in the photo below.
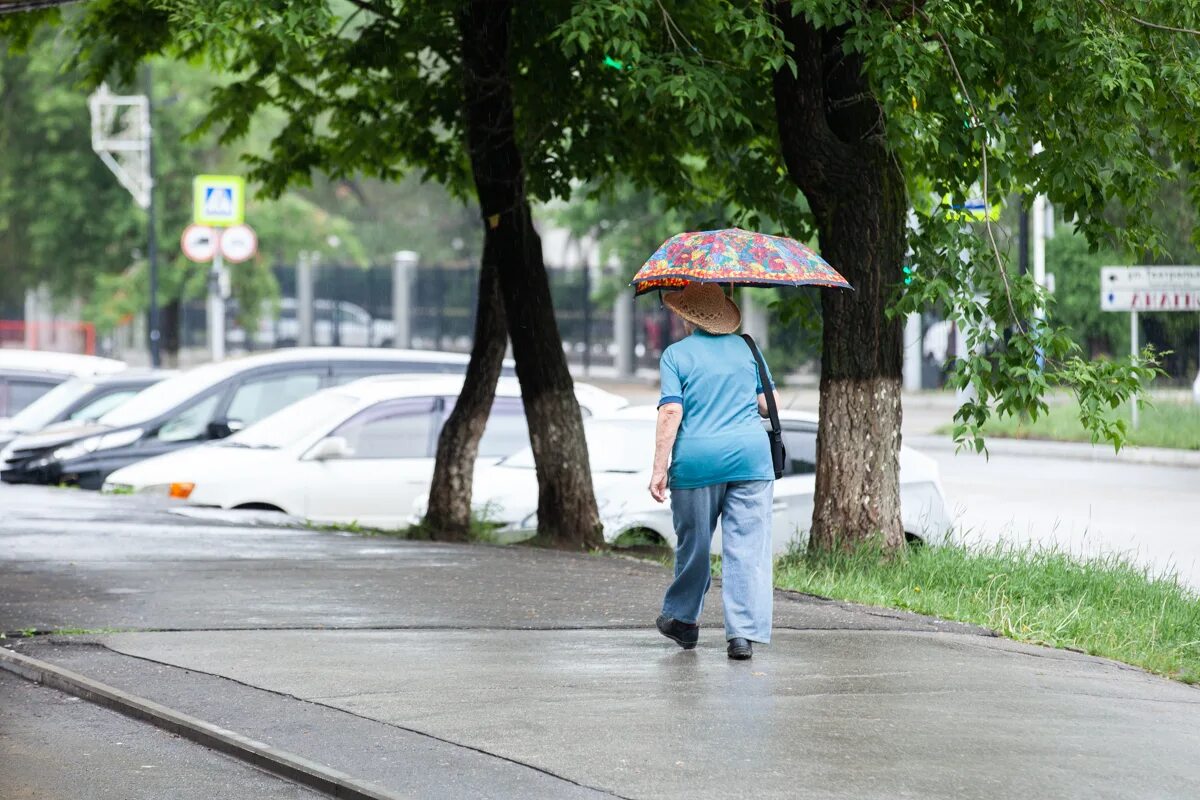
(684, 634)
(740, 649)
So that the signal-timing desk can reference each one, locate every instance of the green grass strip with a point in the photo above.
(1105, 606)
(1164, 424)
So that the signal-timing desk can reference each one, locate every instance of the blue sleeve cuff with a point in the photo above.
(671, 398)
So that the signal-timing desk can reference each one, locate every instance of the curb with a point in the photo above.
(1073, 451)
(278, 762)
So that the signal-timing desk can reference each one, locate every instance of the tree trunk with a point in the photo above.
(567, 514)
(448, 517)
(833, 139)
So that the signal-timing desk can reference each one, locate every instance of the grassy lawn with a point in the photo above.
(1165, 424)
(1103, 606)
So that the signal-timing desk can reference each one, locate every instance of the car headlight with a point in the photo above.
(91, 444)
(181, 490)
(76, 449)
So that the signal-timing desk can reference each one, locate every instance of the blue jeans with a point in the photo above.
(746, 589)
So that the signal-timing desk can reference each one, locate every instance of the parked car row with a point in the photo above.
(363, 452)
(202, 404)
(79, 400)
(621, 450)
(349, 435)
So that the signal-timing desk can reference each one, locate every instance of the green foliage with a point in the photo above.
(63, 218)
(1104, 605)
(81, 233)
(967, 89)
(373, 89)
(628, 223)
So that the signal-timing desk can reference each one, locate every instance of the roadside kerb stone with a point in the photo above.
(1075, 451)
(277, 762)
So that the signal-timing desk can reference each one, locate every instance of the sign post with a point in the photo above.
(1136, 289)
(218, 201)
(236, 244)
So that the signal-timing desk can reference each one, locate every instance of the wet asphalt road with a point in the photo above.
(467, 671)
(54, 747)
(1147, 512)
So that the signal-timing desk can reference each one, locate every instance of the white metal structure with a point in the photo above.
(121, 137)
(621, 449)
(359, 453)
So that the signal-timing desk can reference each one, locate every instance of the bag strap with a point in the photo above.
(765, 380)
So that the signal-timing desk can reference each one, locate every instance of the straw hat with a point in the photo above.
(705, 305)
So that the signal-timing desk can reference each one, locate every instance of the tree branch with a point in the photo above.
(366, 5)
(1148, 24)
(987, 218)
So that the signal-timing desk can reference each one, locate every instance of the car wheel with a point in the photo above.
(258, 507)
(642, 540)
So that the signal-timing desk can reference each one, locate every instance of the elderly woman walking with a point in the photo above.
(721, 466)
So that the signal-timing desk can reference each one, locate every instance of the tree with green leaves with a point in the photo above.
(478, 96)
(66, 223)
(887, 117)
(64, 220)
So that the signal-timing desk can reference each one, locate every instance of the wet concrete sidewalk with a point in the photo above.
(466, 671)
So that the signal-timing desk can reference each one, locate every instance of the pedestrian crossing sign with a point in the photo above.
(219, 200)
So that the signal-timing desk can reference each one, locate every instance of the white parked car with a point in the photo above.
(621, 450)
(358, 453)
(26, 375)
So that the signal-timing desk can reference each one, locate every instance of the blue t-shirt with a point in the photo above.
(721, 437)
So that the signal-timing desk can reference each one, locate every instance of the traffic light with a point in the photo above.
(609, 61)
(909, 272)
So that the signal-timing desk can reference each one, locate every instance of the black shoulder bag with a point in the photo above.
(775, 435)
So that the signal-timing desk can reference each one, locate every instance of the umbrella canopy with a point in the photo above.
(734, 256)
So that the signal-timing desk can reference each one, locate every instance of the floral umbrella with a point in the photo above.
(734, 256)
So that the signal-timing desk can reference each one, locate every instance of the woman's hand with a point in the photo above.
(669, 417)
(658, 486)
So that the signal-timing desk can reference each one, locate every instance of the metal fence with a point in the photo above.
(443, 310)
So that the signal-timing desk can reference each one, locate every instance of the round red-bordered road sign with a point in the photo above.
(199, 243)
(238, 243)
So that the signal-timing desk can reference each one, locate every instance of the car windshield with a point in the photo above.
(41, 412)
(294, 422)
(613, 446)
(165, 395)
